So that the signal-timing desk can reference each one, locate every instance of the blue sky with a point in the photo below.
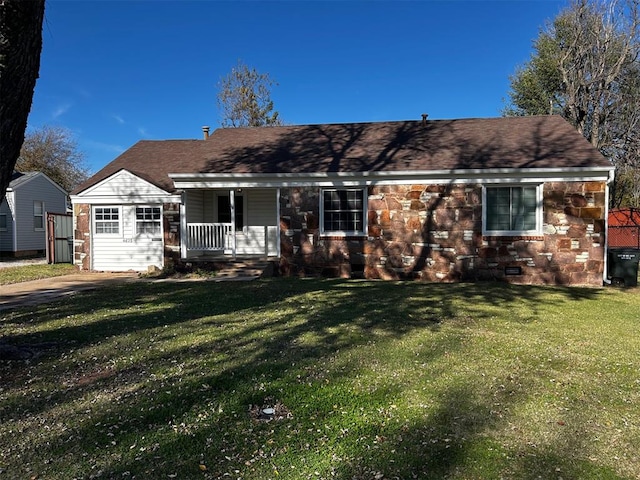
(115, 71)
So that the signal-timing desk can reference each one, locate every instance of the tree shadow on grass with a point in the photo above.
(259, 340)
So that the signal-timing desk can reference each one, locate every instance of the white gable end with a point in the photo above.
(123, 187)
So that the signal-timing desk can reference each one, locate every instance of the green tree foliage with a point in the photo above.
(244, 98)
(586, 67)
(20, 47)
(54, 152)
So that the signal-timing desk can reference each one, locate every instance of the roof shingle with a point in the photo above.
(509, 142)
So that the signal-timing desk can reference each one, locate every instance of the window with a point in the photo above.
(148, 220)
(3, 221)
(38, 215)
(107, 220)
(343, 211)
(512, 210)
(224, 210)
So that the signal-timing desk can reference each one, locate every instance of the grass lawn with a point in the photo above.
(369, 380)
(34, 272)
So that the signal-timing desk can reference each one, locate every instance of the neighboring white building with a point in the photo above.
(23, 220)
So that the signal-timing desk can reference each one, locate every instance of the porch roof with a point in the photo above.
(527, 143)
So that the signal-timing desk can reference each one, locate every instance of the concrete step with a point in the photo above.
(244, 270)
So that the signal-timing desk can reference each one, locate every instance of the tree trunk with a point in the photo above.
(20, 48)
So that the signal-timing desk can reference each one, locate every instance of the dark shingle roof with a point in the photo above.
(509, 142)
(18, 178)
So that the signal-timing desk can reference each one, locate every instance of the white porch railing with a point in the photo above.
(210, 236)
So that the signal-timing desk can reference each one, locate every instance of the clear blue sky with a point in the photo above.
(115, 72)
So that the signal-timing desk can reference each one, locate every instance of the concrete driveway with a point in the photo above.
(49, 289)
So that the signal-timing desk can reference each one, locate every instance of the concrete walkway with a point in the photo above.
(49, 289)
(46, 290)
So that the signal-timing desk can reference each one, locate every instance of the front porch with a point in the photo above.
(229, 223)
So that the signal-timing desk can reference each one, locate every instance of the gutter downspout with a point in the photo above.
(606, 280)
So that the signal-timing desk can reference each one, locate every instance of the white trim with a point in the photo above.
(108, 200)
(136, 221)
(361, 179)
(278, 232)
(245, 211)
(94, 221)
(332, 233)
(232, 206)
(41, 215)
(539, 230)
(183, 226)
(162, 196)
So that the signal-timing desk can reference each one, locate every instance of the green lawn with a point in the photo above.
(34, 272)
(369, 380)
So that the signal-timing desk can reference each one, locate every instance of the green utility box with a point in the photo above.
(623, 266)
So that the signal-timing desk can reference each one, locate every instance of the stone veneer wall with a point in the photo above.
(171, 229)
(434, 233)
(82, 234)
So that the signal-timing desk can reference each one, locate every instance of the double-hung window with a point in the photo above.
(107, 220)
(148, 220)
(38, 215)
(3, 222)
(343, 211)
(512, 210)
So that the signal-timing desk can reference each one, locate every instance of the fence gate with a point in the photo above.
(59, 237)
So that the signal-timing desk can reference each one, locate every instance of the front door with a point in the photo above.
(224, 211)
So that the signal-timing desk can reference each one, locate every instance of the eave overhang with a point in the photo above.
(184, 181)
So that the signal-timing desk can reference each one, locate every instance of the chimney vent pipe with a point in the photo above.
(424, 118)
(205, 131)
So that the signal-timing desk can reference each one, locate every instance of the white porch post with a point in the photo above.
(183, 225)
(278, 222)
(232, 203)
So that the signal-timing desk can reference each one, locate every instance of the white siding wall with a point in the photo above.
(126, 250)
(209, 205)
(41, 189)
(125, 186)
(195, 206)
(261, 215)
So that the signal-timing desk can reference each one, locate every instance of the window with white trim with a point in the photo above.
(148, 220)
(512, 210)
(106, 220)
(343, 211)
(38, 215)
(3, 222)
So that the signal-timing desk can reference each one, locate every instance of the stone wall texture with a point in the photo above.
(434, 233)
(82, 236)
(171, 228)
